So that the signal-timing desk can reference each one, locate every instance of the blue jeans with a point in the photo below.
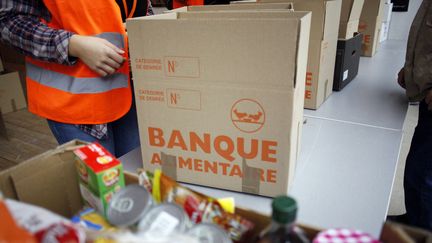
(122, 137)
(418, 172)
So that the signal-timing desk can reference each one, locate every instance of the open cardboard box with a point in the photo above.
(50, 181)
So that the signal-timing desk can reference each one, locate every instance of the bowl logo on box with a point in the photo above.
(248, 115)
(110, 177)
(103, 160)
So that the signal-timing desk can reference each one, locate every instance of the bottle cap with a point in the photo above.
(284, 209)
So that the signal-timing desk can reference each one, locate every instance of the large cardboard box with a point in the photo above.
(13, 61)
(322, 47)
(347, 61)
(370, 26)
(11, 93)
(220, 96)
(386, 20)
(350, 16)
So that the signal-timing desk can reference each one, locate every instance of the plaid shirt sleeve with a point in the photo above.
(20, 26)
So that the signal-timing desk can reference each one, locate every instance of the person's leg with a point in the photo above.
(418, 172)
(125, 132)
(66, 132)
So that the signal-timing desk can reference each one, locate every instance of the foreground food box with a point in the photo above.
(370, 26)
(220, 96)
(50, 180)
(322, 47)
(350, 16)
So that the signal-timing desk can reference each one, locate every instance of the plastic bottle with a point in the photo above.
(283, 228)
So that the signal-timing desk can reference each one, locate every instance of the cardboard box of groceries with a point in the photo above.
(350, 16)
(322, 47)
(370, 26)
(50, 180)
(220, 96)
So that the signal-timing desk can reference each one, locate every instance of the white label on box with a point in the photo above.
(91, 199)
(345, 75)
(164, 224)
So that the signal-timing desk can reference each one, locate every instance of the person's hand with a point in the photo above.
(401, 78)
(98, 54)
(428, 99)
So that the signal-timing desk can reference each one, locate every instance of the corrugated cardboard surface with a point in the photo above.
(11, 93)
(48, 180)
(207, 98)
(350, 15)
(370, 25)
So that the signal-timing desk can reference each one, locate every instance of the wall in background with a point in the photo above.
(401, 21)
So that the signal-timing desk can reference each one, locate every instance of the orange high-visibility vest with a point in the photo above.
(179, 4)
(75, 94)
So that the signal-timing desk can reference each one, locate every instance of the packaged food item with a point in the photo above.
(344, 236)
(9, 230)
(92, 220)
(283, 228)
(163, 220)
(61, 233)
(129, 205)
(32, 218)
(100, 175)
(209, 233)
(198, 207)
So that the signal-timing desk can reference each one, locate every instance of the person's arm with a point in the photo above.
(22, 28)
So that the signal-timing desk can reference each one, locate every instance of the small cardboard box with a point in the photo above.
(322, 47)
(11, 93)
(100, 175)
(347, 61)
(370, 26)
(350, 16)
(223, 108)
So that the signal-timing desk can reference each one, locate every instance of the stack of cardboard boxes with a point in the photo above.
(223, 108)
(349, 44)
(12, 97)
(385, 26)
(370, 25)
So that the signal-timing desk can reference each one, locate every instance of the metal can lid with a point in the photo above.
(211, 233)
(129, 205)
(164, 219)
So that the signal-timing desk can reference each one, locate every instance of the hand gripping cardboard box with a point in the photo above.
(350, 16)
(370, 26)
(322, 47)
(220, 96)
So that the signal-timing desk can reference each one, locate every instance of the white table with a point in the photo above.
(350, 148)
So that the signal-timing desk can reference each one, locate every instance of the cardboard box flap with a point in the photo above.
(236, 69)
(318, 9)
(244, 6)
(351, 10)
(55, 179)
(332, 18)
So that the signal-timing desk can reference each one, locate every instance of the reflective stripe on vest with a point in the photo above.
(76, 85)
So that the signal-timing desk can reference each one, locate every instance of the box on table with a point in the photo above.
(11, 93)
(370, 26)
(322, 47)
(347, 61)
(350, 16)
(223, 108)
(100, 175)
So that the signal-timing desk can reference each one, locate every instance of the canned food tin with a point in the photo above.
(164, 219)
(209, 233)
(129, 205)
